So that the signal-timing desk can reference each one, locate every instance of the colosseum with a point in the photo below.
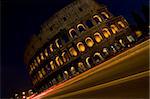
(75, 39)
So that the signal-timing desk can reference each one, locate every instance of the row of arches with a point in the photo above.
(44, 54)
(87, 63)
(58, 44)
(80, 46)
(89, 43)
(77, 69)
(60, 60)
(113, 28)
(66, 55)
(89, 23)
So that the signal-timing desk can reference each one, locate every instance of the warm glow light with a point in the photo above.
(89, 42)
(105, 51)
(98, 37)
(57, 44)
(52, 65)
(73, 52)
(104, 13)
(58, 61)
(40, 74)
(80, 25)
(63, 56)
(38, 59)
(42, 57)
(71, 31)
(51, 47)
(99, 55)
(121, 24)
(87, 62)
(81, 47)
(46, 53)
(72, 68)
(35, 63)
(97, 17)
(114, 28)
(106, 32)
(43, 71)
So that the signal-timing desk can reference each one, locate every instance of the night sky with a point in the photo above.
(22, 18)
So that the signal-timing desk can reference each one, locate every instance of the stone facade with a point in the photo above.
(75, 39)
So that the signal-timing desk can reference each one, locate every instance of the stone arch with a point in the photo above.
(98, 57)
(80, 46)
(58, 61)
(105, 15)
(121, 24)
(89, 42)
(81, 27)
(106, 32)
(97, 19)
(97, 37)
(114, 28)
(89, 62)
(72, 33)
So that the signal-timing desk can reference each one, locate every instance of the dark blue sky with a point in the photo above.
(22, 18)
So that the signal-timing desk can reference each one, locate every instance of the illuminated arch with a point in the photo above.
(40, 74)
(97, 18)
(130, 38)
(66, 75)
(98, 37)
(38, 59)
(121, 24)
(46, 53)
(81, 67)
(105, 14)
(72, 33)
(42, 57)
(81, 47)
(53, 66)
(35, 62)
(73, 52)
(98, 57)
(58, 61)
(122, 42)
(43, 71)
(81, 27)
(106, 32)
(89, 42)
(105, 50)
(73, 71)
(72, 68)
(66, 72)
(57, 43)
(51, 48)
(114, 28)
(63, 57)
(113, 48)
(87, 62)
